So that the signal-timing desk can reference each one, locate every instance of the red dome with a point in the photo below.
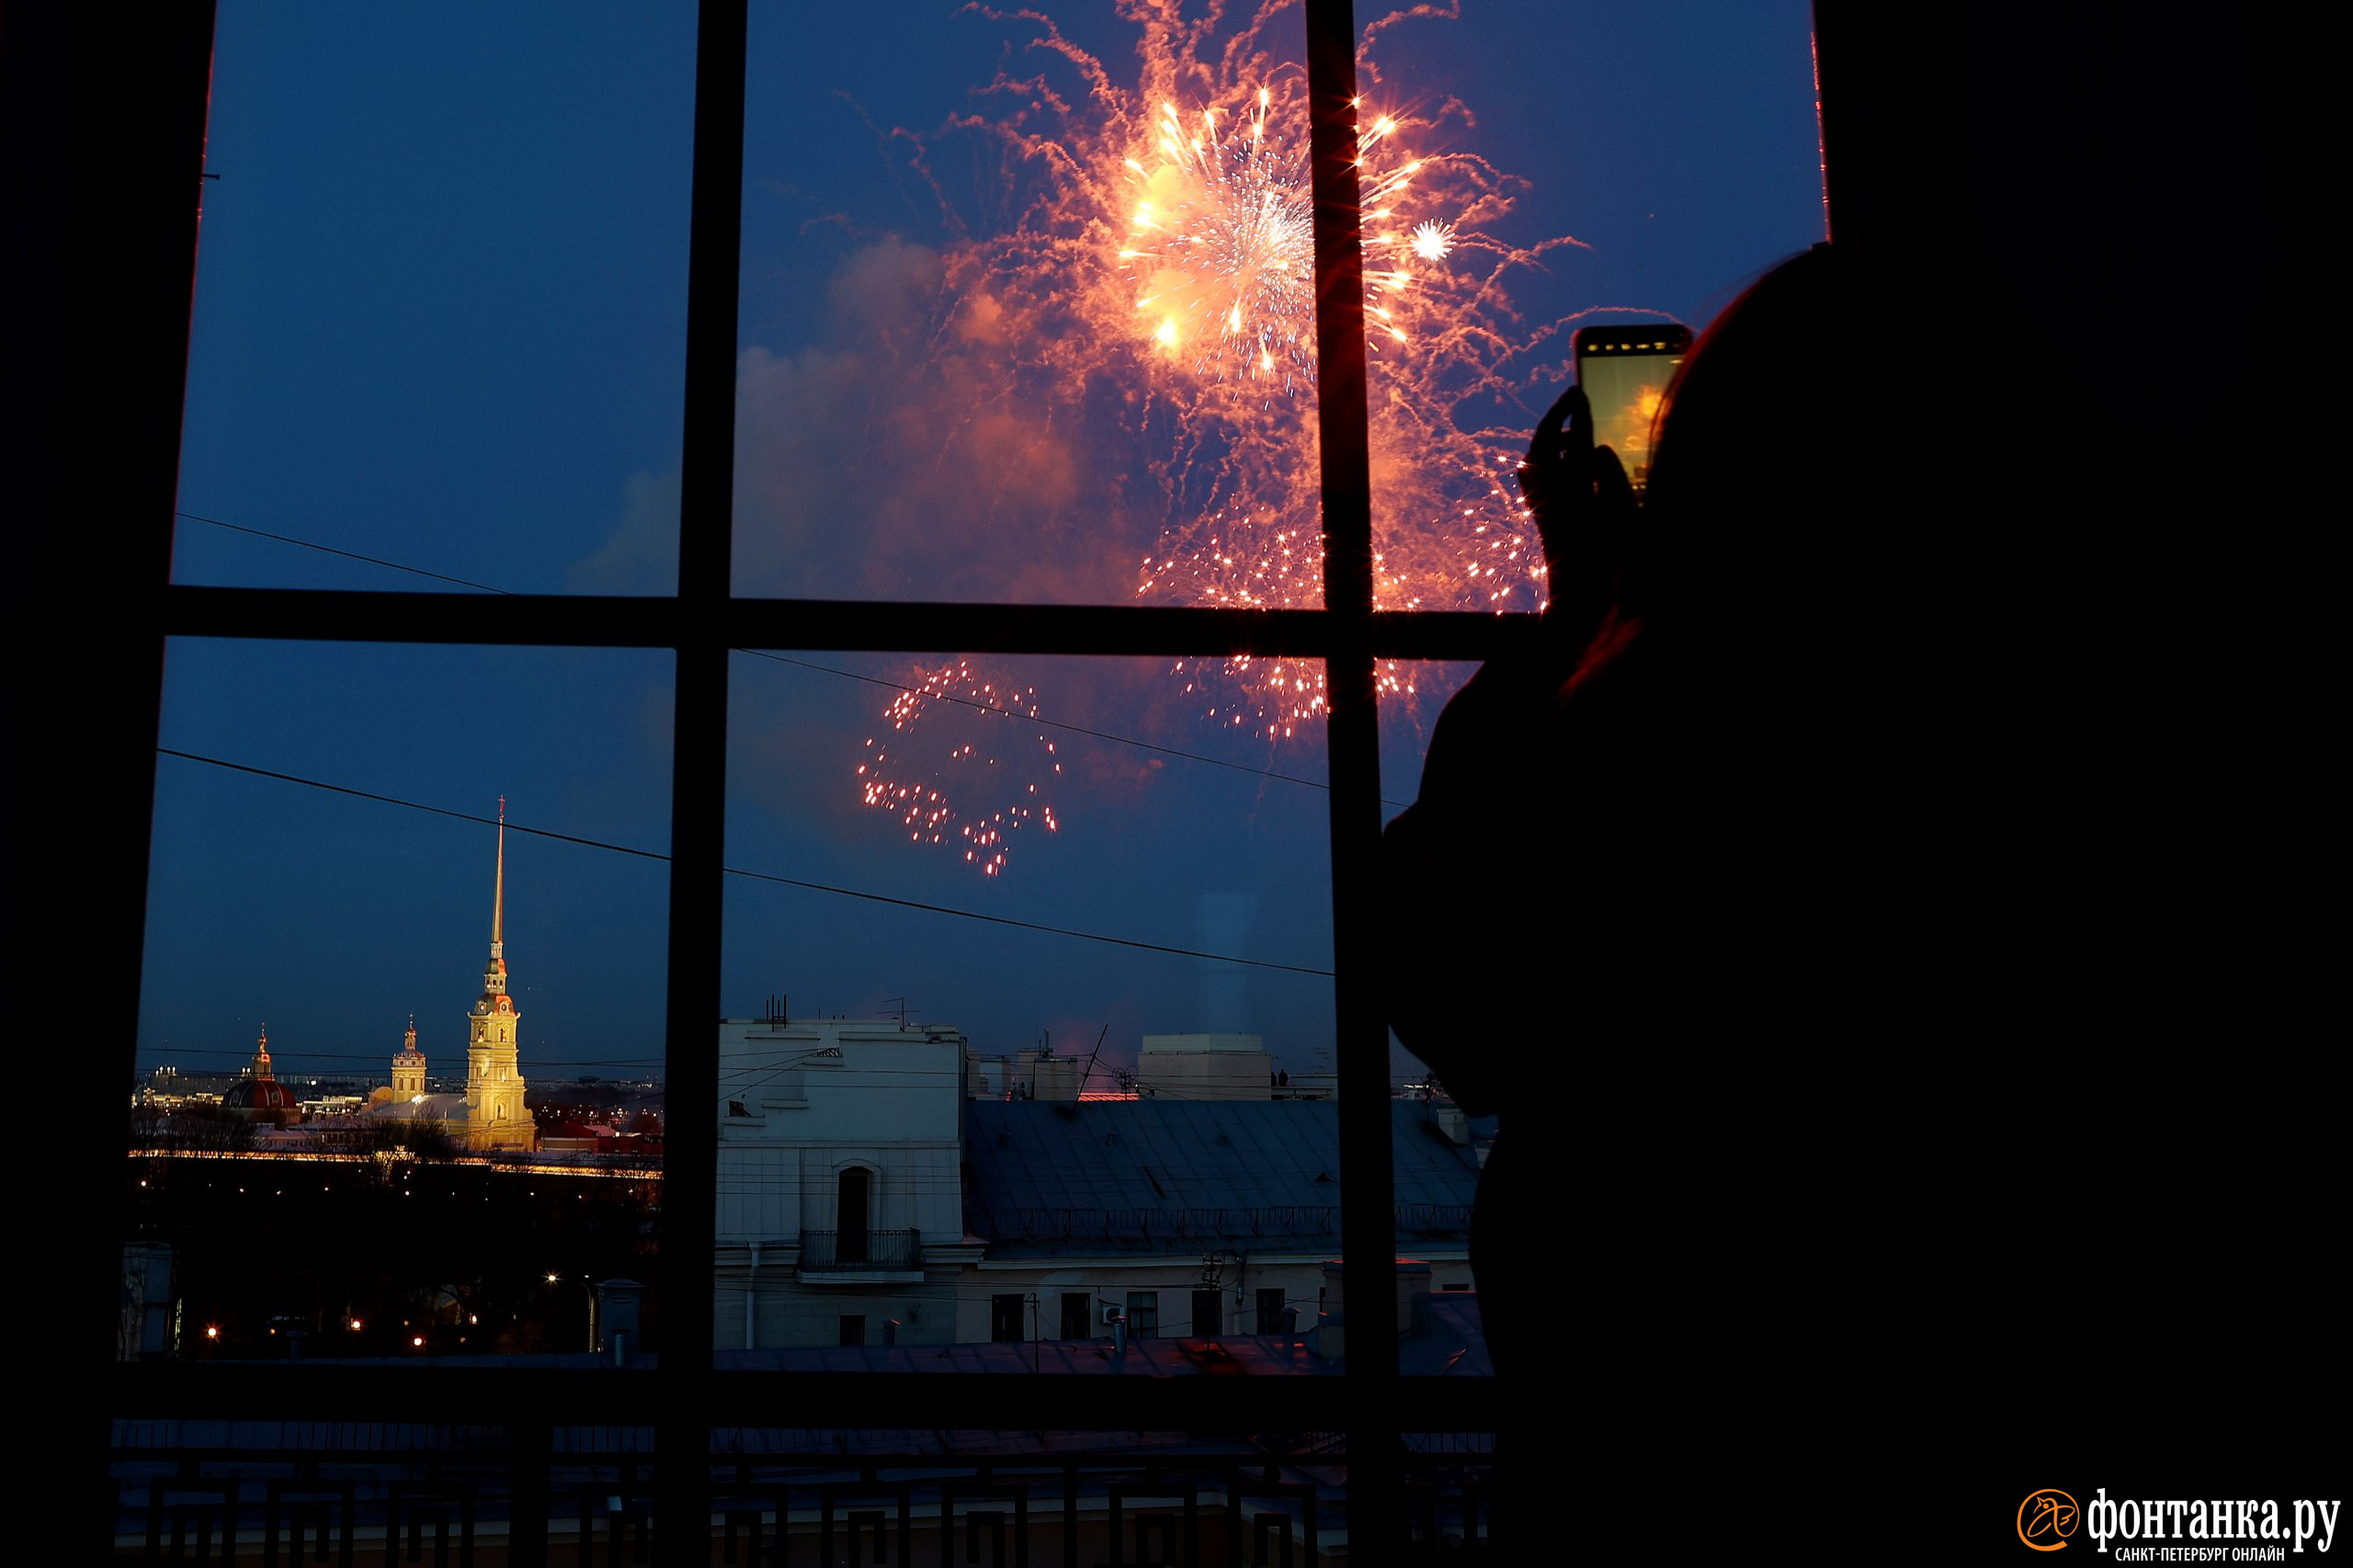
(261, 1100)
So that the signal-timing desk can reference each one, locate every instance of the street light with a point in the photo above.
(588, 1297)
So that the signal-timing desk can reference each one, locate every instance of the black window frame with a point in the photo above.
(142, 120)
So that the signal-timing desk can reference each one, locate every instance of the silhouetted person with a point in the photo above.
(1612, 880)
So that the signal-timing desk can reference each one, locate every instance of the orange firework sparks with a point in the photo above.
(924, 801)
(1163, 246)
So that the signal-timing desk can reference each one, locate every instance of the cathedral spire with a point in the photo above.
(498, 896)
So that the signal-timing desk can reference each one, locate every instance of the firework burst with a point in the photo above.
(1155, 239)
(931, 792)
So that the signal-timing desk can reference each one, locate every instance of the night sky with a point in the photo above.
(439, 321)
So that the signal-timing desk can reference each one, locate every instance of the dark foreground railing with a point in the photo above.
(368, 1491)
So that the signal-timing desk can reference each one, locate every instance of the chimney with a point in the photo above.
(1413, 1290)
(146, 1330)
(617, 1317)
(1413, 1293)
(1331, 1316)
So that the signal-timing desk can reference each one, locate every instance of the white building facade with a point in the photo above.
(880, 1185)
(840, 1203)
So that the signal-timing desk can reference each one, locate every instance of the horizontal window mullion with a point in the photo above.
(572, 621)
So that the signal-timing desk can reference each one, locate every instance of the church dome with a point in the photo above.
(261, 1100)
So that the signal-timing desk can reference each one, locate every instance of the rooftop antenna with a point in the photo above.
(901, 1001)
(1090, 1059)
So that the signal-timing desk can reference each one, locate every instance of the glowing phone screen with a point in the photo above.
(1624, 389)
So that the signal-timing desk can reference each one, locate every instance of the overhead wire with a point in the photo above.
(754, 876)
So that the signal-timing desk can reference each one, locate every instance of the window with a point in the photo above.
(695, 627)
(849, 1214)
(1209, 1314)
(1270, 1310)
(1005, 1319)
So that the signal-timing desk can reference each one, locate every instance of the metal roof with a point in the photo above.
(1232, 1356)
(1153, 1176)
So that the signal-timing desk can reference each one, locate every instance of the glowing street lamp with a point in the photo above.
(587, 1296)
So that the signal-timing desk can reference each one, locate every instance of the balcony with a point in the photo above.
(861, 1258)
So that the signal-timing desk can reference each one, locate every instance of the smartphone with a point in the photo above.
(1624, 371)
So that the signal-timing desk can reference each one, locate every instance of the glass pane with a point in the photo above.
(1414, 693)
(397, 1094)
(1027, 310)
(1030, 1020)
(1646, 164)
(440, 302)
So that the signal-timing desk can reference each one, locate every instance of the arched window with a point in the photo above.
(849, 1214)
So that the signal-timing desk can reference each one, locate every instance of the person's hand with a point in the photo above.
(1577, 490)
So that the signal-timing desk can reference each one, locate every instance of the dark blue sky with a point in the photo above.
(439, 321)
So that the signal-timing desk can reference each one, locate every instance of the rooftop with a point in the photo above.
(1043, 1178)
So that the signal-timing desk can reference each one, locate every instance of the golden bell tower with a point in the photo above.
(408, 1067)
(495, 1114)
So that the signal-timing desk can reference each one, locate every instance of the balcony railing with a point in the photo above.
(1316, 1223)
(843, 1252)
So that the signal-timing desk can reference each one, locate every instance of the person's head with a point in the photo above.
(1770, 436)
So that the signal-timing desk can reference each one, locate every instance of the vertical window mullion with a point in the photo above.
(699, 798)
(1367, 1238)
(118, 307)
